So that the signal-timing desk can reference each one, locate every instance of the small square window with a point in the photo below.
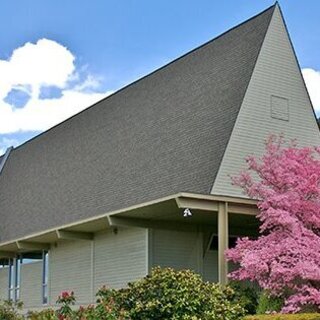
(280, 108)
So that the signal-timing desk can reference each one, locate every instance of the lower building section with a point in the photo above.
(113, 258)
(31, 284)
(120, 256)
(185, 250)
(71, 268)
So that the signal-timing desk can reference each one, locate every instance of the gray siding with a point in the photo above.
(31, 284)
(70, 268)
(4, 283)
(276, 74)
(112, 259)
(179, 250)
(120, 258)
(84, 266)
(210, 266)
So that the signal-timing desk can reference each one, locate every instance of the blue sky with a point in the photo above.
(80, 51)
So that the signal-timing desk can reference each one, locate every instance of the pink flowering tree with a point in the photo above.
(285, 259)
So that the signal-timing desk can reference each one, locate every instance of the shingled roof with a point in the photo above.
(163, 134)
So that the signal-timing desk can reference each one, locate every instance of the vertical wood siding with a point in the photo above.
(276, 74)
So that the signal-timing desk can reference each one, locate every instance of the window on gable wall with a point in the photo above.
(280, 108)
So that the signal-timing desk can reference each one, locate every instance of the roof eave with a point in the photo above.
(146, 215)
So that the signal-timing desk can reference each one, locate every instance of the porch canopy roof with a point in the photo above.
(163, 213)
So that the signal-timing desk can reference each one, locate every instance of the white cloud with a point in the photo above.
(32, 66)
(312, 79)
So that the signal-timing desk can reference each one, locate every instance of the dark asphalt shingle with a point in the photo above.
(163, 134)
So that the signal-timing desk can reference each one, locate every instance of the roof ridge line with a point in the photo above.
(149, 74)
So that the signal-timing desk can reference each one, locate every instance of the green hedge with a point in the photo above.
(304, 316)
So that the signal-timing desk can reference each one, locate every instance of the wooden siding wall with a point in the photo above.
(120, 258)
(183, 250)
(179, 250)
(70, 266)
(210, 266)
(4, 282)
(31, 284)
(276, 74)
(111, 259)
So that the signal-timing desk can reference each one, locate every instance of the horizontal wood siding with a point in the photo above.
(210, 266)
(31, 284)
(120, 257)
(179, 250)
(276, 74)
(70, 268)
(4, 282)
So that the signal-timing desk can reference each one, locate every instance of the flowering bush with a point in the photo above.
(66, 300)
(165, 294)
(285, 259)
(304, 316)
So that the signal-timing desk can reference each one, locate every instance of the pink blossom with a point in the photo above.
(285, 259)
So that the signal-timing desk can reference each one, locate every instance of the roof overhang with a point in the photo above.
(164, 213)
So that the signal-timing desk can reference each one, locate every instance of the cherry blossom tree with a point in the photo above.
(285, 259)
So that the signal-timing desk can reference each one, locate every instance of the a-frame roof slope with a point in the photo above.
(163, 134)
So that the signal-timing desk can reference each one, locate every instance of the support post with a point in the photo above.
(223, 242)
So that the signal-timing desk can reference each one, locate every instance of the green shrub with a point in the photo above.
(304, 316)
(164, 295)
(47, 314)
(9, 310)
(177, 295)
(247, 295)
(268, 304)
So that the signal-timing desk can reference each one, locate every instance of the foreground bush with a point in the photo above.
(247, 295)
(268, 304)
(10, 310)
(165, 294)
(169, 294)
(304, 316)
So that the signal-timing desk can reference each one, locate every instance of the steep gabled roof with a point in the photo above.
(163, 134)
